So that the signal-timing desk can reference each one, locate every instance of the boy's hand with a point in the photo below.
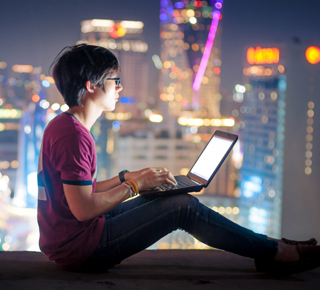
(152, 177)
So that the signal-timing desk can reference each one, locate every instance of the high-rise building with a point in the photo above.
(17, 87)
(24, 112)
(263, 125)
(278, 128)
(189, 82)
(190, 52)
(126, 40)
(301, 183)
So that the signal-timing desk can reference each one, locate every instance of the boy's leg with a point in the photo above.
(135, 225)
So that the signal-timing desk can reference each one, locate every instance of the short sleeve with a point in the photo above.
(73, 157)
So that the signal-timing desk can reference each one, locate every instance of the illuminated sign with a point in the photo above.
(260, 55)
(313, 54)
(105, 25)
(117, 31)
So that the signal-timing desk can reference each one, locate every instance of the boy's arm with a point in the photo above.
(86, 205)
(115, 181)
(107, 184)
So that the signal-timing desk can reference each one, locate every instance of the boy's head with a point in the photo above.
(75, 65)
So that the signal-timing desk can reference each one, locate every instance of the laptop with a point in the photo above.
(203, 170)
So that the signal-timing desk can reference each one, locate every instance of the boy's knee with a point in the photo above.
(183, 200)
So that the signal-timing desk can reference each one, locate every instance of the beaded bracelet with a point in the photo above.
(134, 185)
(130, 187)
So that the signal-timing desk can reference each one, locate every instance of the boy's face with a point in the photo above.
(107, 99)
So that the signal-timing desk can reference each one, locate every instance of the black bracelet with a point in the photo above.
(121, 175)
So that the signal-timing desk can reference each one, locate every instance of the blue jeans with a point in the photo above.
(137, 224)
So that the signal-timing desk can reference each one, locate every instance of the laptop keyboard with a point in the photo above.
(181, 184)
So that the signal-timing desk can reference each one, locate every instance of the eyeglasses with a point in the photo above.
(118, 82)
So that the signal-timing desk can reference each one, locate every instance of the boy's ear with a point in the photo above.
(90, 87)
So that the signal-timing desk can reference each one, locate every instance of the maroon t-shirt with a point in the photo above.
(67, 156)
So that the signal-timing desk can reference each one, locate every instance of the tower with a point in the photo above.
(126, 40)
(263, 127)
(190, 56)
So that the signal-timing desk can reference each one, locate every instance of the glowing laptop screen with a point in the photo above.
(211, 157)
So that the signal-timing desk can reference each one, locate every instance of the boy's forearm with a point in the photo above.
(115, 181)
(108, 184)
(86, 205)
(105, 201)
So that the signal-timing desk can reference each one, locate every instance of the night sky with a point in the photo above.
(34, 31)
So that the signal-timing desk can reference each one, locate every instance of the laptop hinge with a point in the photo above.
(197, 179)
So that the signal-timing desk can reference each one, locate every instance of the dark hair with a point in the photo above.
(75, 65)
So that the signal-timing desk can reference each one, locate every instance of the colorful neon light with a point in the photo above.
(260, 55)
(206, 54)
(117, 31)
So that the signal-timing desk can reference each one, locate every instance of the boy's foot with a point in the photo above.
(311, 242)
(261, 263)
(309, 258)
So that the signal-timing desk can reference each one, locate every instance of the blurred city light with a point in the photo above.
(157, 62)
(260, 55)
(44, 104)
(46, 83)
(22, 68)
(155, 118)
(10, 113)
(313, 54)
(240, 89)
(55, 106)
(3, 65)
(184, 121)
(35, 98)
(64, 108)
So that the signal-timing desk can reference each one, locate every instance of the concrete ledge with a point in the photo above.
(152, 270)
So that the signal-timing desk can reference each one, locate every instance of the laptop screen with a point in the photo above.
(211, 157)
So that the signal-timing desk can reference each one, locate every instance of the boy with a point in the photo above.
(84, 223)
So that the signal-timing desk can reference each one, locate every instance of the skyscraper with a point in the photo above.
(190, 56)
(189, 82)
(301, 183)
(24, 112)
(263, 125)
(126, 40)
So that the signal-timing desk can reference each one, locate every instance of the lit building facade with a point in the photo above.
(189, 82)
(190, 77)
(262, 131)
(126, 40)
(25, 110)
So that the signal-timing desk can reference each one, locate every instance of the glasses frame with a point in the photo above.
(117, 80)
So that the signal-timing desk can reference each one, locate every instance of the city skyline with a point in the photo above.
(228, 76)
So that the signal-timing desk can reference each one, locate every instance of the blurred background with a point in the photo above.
(188, 68)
